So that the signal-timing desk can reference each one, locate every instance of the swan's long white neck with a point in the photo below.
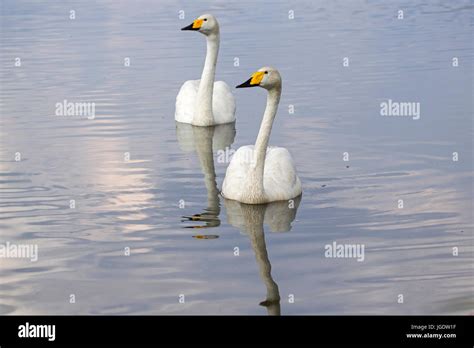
(260, 149)
(203, 115)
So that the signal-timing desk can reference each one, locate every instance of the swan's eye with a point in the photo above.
(205, 19)
(266, 72)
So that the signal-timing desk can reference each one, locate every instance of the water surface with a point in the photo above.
(171, 180)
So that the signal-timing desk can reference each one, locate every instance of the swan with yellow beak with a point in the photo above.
(258, 173)
(206, 102)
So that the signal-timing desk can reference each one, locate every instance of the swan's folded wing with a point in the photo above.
(281, 181)
(236, 173)
(186, 101)
(223, 103)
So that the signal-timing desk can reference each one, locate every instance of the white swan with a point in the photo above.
(205, 102)
(261, 174)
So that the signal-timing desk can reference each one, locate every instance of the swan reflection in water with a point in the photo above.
(204, 141)
(250, 218)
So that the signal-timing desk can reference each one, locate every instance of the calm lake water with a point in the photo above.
(175, 171)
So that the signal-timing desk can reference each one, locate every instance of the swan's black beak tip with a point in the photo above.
(189, 27)
(246, 84)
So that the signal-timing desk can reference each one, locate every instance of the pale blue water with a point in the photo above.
(135, 203)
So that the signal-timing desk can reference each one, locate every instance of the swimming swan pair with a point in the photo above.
(257, 174)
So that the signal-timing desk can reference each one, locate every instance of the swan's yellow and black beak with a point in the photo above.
(196, 25)
(254, 81)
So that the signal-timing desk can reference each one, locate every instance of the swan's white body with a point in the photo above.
(280, 180)
(261, 174)
(205, 102)
(223, 103)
